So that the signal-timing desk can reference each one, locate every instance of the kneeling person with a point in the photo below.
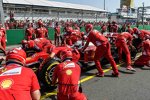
(16, 81)
(144, 59)
(68, 75)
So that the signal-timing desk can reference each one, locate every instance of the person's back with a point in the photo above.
(124, 37)
(146, 47)
(123, 42)
(16, 81)
(39, 44)
(68, 75)
(97, 38)
(145, 57)
(143, 33)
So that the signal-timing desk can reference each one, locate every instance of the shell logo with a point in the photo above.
(6, 84)
(68, 72)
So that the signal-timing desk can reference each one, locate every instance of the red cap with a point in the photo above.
(65, 54)
(17, 54)
(31, 43)
(88, 27)
(135, 29)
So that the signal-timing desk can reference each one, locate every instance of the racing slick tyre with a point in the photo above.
(136, 42)
(81, 66)
(46, 73)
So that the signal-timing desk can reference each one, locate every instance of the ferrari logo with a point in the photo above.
(6, 84)
(68, 72)
(3, 70)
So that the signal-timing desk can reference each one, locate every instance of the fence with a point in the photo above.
(15, 36)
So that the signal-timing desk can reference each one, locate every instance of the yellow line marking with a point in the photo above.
(92, 76)
(82, 80)
(48, 94)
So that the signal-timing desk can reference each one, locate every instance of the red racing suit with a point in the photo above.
(29, 33)
(75, 36)
(130, 30)
(3, 37)
(75, 53)
(143, 33)
(144, 59)
(102, 50)
(57, 35)
(122, 41)
(68, 75)
(67, 39)
(17, 82)
(41, 32)
(42, 44)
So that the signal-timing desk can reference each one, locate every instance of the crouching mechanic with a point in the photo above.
(57, 51)
(68, 75)
(144, 59)
(39, 44)
(102, 49)
(124, 40)
(16, 81)
(140, 33)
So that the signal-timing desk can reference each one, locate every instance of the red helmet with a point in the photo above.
(16, 54)
(31, 43)
(136, 30)
(24, 43)
(64, 54)
(88, 27)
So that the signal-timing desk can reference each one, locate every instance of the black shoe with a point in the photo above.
(115, 74)
(100, 75)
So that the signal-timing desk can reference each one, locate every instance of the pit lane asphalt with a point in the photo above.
(129, 86)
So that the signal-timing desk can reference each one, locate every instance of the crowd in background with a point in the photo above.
(22, 24)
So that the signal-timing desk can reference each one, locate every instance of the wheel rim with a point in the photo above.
(50, 73)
